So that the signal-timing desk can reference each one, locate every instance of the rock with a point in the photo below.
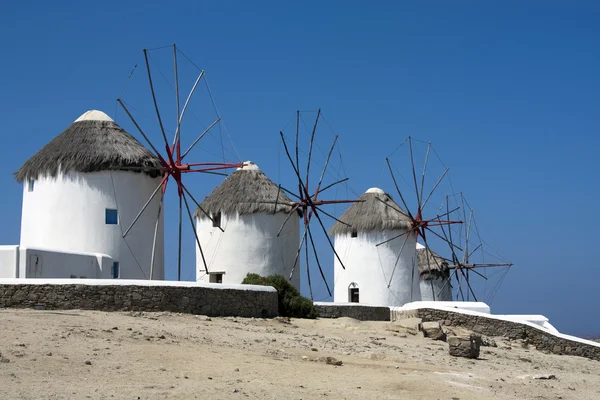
(333, 361)
(545, 377)
(314, 349)
(433, 330)
(488, 342)
(411, 325)
(464, 346)
(88, 362)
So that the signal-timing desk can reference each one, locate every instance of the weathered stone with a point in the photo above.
(433, 330)
(535, 337)
(358, 311)
(192, 300)
(464, 346)
(544, 377)
(411, 325)
(333, 361)
(488, 341)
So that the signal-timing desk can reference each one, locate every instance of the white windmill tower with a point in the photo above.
(374, 240)
(78, 192)
(246, 231)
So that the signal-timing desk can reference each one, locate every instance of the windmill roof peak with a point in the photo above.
(248, 166)
(94, 115)
(375, 211)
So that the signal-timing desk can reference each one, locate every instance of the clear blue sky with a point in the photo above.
(508, 92)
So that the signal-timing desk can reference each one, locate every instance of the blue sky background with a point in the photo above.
(508, 93)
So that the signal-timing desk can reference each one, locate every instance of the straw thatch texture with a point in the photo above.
(375, 212)
(433, 266)
(90, 146)
(246, 191)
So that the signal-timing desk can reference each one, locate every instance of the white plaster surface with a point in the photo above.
(372, 267)
(133, 282)
(249, 244)
(67, 214)
(9, 261)
(44, 263)
(477, 306)
(442, 289)
(94, 115)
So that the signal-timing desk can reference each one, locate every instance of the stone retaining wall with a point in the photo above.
(542, 340)
(360, 312)
(181, 299)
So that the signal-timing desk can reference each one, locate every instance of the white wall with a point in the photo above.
(67, 214)
(442, 289)
(43, 263)
(249, 244)
(9, 261)
(370, 267)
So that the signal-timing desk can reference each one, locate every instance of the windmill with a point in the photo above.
(308, 202)
(471, 254)
(173, 159)
(450, 226)
(422, 227)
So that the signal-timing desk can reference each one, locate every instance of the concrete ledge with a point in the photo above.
(353, 310)
(123, 295)
(491, 325)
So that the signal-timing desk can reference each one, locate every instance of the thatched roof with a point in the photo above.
(376, 211)
(246, 191)
(431, 266)
(94, 142)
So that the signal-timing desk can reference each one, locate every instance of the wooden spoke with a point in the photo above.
(195, 233)
(162, 128)
(398, 189)
(312, 242)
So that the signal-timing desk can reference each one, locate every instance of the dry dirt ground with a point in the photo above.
(98, 355)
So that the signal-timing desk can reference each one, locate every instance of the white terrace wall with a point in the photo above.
(9, 261)
(40, 263)
(21, 262)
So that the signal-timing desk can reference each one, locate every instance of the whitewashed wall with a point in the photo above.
(249, 244)
(441, 287)
(9, 261)
(42, 263)
(370, 268)
(21, 262)
(67, 214)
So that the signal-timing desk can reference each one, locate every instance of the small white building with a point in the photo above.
(384, 275)
(434, 275)
(80, 193)
(247, 212)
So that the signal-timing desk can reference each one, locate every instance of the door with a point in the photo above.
(34, 267)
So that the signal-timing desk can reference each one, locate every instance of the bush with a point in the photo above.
(290, 302)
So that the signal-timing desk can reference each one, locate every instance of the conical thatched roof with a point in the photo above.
(247, 191)
(376, 211)
(94, 142)
(432, 265)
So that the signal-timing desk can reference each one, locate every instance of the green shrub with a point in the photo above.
(290, 302)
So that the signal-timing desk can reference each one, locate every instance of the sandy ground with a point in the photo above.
(96, 355)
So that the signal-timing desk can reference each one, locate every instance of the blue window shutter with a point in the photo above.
(112, 217)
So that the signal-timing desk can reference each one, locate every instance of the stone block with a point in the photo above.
(464, 346)
(433, 330)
